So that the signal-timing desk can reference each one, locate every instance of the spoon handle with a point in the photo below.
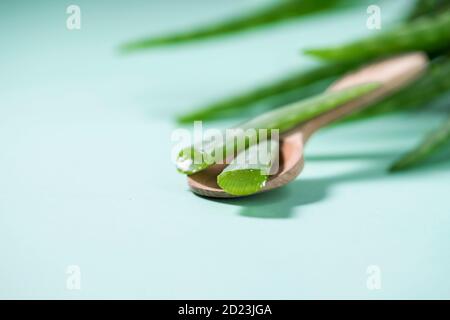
(393, 73)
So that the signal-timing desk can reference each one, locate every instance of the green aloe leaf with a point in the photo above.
(250, 170)
(428, 7)
(430, 34)
(432, 143)
(245, 100)
(280, 11)
(432, 85)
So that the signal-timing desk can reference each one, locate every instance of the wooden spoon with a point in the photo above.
(393, 73)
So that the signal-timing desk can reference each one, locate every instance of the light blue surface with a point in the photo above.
(86, 177)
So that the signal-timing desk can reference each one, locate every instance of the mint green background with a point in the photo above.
(86, 177)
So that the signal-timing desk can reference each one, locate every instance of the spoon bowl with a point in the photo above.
(204, 183)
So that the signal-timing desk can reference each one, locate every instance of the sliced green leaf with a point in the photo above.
(200, 156)
(249, 171)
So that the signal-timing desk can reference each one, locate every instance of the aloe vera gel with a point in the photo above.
(250, 170)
